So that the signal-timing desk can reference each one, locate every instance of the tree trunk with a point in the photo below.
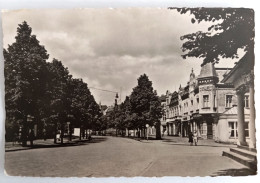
(62, 133)
(158, 130)
(83, 132)
(24, 136)
(31, 136)
(55, 133)
(70, 132)
(80, 133)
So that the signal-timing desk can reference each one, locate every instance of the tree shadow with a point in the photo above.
(57, 145)
(234, 172)
(169, 140)
(199, 145)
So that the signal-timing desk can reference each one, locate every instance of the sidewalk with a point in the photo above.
(184, 141)
(40, 143)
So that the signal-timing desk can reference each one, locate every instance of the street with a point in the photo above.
(116, 156)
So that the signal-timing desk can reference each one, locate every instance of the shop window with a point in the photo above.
(204, 129)
(205, 101)
(229, 100)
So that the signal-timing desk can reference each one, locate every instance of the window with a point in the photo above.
(167, 101)
(215, 101)
(205, 101)
(191, 102)
(229, 100)
(246, 101)
(246, 129)
(233, 129)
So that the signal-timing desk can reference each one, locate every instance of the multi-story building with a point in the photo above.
(163, 119)
(205, 105)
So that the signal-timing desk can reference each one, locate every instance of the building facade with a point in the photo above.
(206, 105)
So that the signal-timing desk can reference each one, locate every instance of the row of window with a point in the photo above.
(206, 104)
(228, 101)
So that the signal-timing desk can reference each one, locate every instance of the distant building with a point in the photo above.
(163, 119)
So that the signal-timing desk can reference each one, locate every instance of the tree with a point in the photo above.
(25, 84)
(94, 113)
(231, 29)
(156, 113)
(145, 105)
(84, 108)
(60, 101)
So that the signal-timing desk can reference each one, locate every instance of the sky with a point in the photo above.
(110, 48)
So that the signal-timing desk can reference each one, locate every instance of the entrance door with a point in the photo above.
(209, 130)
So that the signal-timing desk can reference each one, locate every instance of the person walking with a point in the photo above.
(195, 138)
(191, 138)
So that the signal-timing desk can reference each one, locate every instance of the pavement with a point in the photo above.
(40, 143)
(106, 156)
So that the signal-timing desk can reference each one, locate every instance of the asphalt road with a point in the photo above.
(116, 157)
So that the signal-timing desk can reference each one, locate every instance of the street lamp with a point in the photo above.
(147, 126)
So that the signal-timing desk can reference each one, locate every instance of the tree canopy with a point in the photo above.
(231, 29)
(145, 104)
(25, 81)
(44, 91)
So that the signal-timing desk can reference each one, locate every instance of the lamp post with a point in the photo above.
(147, 126)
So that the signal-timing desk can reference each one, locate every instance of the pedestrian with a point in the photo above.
(191, 138)
(195, 138)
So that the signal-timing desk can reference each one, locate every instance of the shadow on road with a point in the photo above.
(201, 145)
(57, 145)
(168, 140)
(235, 172)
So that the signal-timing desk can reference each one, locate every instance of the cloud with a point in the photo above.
(111, 48)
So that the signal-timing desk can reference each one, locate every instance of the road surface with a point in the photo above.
(116, 156)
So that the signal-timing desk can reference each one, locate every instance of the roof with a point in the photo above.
(233, 110)
(222, 72)
(163, 98)
(244, 65)
(207, 70)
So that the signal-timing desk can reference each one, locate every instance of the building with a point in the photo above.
(163, 119)
(206, 105)
(242, 77)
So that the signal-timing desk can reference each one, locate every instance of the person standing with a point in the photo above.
(191, 138)
(195, 138)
